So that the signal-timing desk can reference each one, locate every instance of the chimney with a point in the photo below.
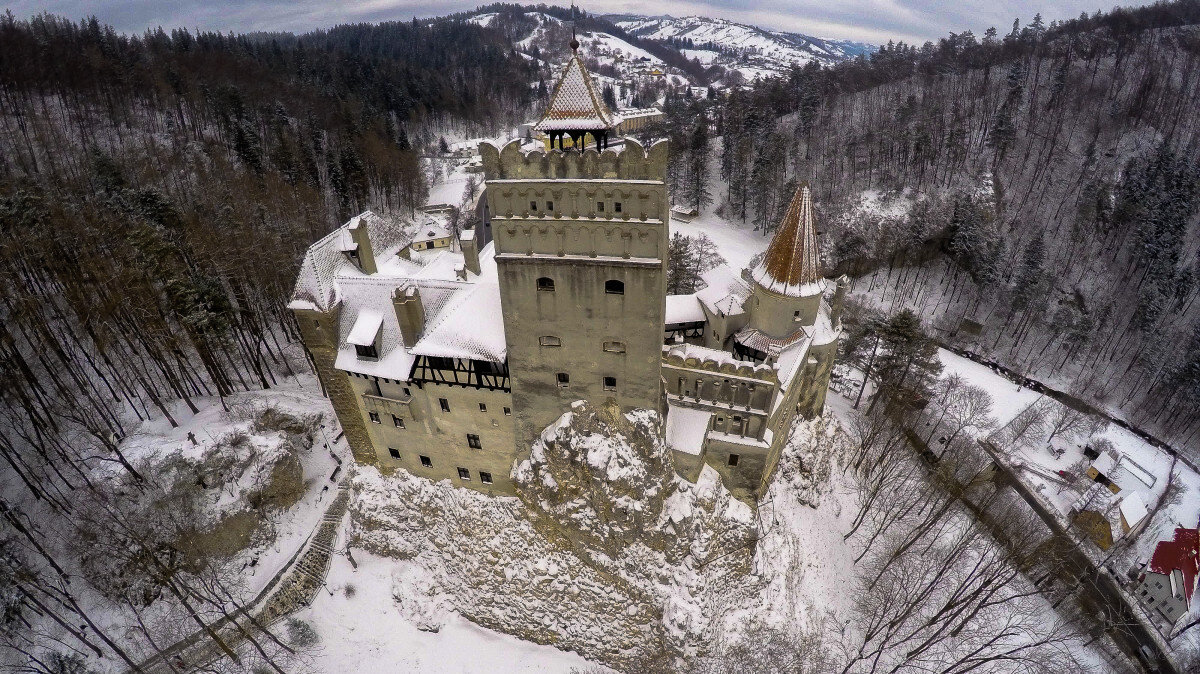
(410, 313)
(470, 250)
(362, 239)
(839, 297)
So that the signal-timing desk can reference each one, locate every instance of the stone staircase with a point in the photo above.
(292, 589)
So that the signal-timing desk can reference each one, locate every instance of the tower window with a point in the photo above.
(533, 205)
(507, 411)
(549, 340)
(473, 441)
(445, 404)
(426, 461)
(600, 206)
(617, 206)
(733, 459)
(796, 314)
(545, 284)
(610, 383)
(393, 452)
(397, 421)
(614, 287)
(549, 205)
(564, 380)
(464, 474)
(485, 477)
(482, 407)
(614, 347)
(373, 416)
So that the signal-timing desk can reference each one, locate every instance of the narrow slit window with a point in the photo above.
(445, 404)
(614, 287)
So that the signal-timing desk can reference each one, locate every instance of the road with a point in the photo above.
(1101, 593)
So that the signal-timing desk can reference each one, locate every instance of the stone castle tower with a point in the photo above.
(580, 249)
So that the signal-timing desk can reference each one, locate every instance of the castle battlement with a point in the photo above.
(631, 162)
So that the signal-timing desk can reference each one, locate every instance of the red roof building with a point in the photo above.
(1181, 554)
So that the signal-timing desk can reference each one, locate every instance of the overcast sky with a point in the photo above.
(874, 21)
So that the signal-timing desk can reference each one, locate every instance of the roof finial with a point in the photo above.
(574, 42)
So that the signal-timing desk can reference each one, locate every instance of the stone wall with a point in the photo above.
(319, 331)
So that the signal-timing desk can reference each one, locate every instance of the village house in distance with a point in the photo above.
(451, 364)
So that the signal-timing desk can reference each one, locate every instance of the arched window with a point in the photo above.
(545, 283)
(614, 287)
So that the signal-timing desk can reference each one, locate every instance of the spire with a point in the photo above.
(575, 105)
(790, 266)
(574, 41)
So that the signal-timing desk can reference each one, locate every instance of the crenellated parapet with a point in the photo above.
(631, 162)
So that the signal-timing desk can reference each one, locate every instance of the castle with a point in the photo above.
(450, 364)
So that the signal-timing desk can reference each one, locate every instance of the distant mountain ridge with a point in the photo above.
(776, 50)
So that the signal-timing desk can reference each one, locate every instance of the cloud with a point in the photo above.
(866, 20)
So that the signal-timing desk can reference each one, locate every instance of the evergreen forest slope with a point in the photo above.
(1043, 184)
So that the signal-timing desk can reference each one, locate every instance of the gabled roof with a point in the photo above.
(790, 266)
(1182, 554)
(575, 105)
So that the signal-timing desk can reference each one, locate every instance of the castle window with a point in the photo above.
(796, 315)
(373, 416)
(482, 407)
(549, 205)
(545, 284)
(733, 459)
(366, 351)
(445, 404)
(464, 474)
(617, 206)
(507, 411)
(473, 441)
(600, 206)
(316, 323)
(614, 347)
(549, 340)
(397, 421)
(610, 383)
(406, 391)
(564, 380)
(393, 452)
(614, 287)
(485, 478)
(533, 205)
(426, 461)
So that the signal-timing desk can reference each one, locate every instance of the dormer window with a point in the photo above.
(364, 336)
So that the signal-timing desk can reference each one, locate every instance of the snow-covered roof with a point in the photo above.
(575, 105)
(1133, 509)
(724, 291)
(685, 428)
(470, 326)
(684, 309)
(1105, 463)
(316, 284)
(703, 353)
(790, 265)
(429, 232)
(366, 328)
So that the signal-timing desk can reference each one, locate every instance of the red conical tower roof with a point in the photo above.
(791, 266)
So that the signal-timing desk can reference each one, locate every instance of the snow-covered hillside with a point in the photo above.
(740, 45)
